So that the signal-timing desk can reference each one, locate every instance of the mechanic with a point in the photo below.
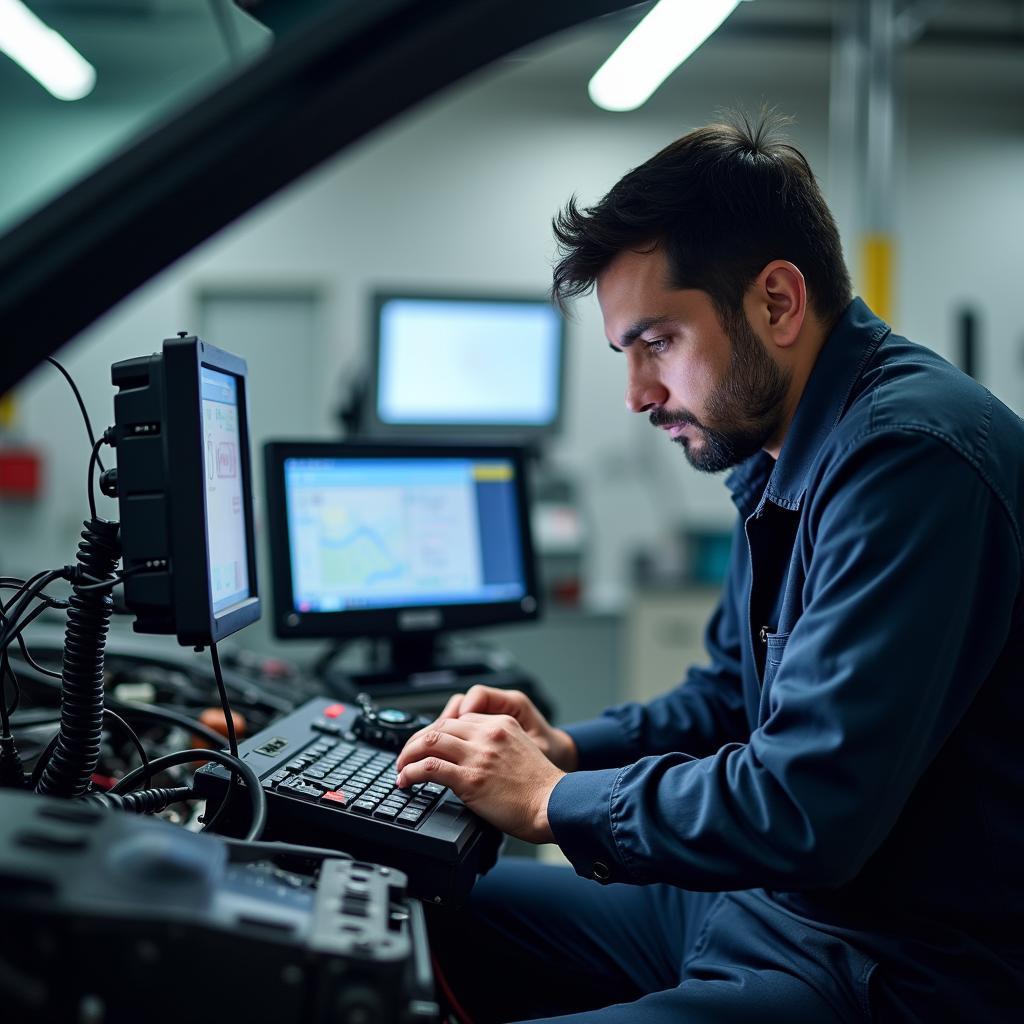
(824, 823)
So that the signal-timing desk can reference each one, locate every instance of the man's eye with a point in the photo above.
(656, 345)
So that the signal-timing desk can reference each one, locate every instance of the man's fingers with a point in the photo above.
(438, 742)
(435, 769)
(487, 700)
(449, 713)
(451, 709)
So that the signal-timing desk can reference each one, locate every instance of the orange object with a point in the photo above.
(214, 719)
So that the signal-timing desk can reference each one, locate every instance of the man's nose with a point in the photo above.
(644, 393)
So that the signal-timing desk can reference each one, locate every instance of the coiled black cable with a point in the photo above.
(142, 801)
(70, 769)
(257, 798)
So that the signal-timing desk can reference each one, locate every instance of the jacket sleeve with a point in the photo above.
(908, 602)
(698, 716)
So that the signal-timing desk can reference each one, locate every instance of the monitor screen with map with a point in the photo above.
(386, 540)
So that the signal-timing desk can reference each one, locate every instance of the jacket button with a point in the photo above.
(601, 871)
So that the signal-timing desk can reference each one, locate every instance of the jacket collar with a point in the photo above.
(838, 368)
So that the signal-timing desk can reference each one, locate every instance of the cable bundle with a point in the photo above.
(70, 769)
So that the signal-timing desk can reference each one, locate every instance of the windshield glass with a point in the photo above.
(130, 62)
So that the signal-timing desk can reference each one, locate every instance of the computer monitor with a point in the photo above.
(446, 365)
(184, 488)
(398, 541)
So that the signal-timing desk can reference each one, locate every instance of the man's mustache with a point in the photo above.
(664, 418)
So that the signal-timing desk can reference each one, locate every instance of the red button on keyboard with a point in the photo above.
(336, 796)
(333, 710)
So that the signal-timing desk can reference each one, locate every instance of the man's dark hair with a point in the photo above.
(723, 200)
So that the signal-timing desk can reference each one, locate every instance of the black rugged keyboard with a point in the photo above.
(326, 787)
(354, 778)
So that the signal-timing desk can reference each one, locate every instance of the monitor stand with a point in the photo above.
(418, 671)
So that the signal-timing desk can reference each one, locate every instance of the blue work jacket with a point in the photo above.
(854, 752)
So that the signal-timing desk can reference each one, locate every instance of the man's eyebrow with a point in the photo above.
(635, 330)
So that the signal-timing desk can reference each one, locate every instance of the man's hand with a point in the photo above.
(492, 765)
(555, 744)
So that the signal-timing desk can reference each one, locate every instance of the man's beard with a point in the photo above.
(746, 407)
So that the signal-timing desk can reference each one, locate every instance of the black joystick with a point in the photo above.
(385, 727)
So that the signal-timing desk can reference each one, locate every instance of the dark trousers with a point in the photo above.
(536, 941)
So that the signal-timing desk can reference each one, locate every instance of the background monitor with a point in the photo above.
(184, 488)
(450, 365)
(396, 540)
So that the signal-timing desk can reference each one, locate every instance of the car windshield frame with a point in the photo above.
(233, 147)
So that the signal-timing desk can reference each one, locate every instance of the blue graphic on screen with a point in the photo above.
(225, 519)
(447, 361)
(369, 533)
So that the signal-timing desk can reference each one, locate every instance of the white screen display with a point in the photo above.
(446, 361)
(225, 515)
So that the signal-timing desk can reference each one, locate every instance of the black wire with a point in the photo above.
(224, 702)
(133, 736)
(5, 712)
(167, 716)
(232, 740)
(16, 631)
(6, 624)
(25, 584)
(110, 584)
(43, 760)
(146, 768)
(44, 580)
(148, 713)
(91, 483)
(36, 612)
(81, 404)
(257, 797)
(32, 661)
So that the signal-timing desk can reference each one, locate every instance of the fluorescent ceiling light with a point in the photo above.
(669, 33)
(45, 54)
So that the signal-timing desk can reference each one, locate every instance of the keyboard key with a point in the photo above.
(295, 787)
(433, 789)
(324, 726)
(385, 813)
(365, 806)
(409, 816)
(336, 796)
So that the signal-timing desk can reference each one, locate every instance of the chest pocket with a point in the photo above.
(775, 648)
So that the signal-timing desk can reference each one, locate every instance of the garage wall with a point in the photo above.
(460, 194)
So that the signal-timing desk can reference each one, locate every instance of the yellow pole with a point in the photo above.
(877, 251)
(8, 411)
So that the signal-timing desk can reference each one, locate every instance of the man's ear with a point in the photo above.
(778, 297)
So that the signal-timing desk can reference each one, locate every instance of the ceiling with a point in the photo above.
(142, 47)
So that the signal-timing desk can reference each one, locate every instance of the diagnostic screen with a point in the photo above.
(225, 514)
(448, 361)
(369, 533)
